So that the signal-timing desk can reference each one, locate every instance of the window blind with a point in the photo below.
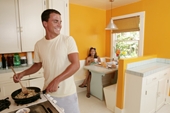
(127, 24)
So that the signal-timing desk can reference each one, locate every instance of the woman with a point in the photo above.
(92, 58)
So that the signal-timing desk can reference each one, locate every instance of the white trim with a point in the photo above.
(142, 26)
(118, 110)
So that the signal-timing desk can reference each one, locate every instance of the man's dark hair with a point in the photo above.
(46, 14)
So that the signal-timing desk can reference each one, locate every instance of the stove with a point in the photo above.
(44, 105)
(4, 103)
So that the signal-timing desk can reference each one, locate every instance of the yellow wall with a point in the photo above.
(156, 40)
(87, 26)
(157, 25)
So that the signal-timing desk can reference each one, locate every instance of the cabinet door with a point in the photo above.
(9, 27)
(149, 98)
(30, 22)
(162, 93)
(37, 82)
(8, 88)
(62, 7)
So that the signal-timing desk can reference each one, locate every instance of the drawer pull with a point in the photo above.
(154, 79)
(165, 74)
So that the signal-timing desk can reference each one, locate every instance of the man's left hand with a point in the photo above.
(53, 86)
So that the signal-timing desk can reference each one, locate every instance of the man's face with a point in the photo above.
(53, 26)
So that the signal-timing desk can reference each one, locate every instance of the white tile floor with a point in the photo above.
(94, 105)
(91, 105)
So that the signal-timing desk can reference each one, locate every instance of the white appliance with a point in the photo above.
(44, 105)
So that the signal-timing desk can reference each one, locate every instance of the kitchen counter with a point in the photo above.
(16, 68)
(144, 68)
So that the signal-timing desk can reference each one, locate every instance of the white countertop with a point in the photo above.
(147, 69)
(100, 69)
(16, 68)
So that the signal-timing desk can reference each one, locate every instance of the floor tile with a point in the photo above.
(92, 104)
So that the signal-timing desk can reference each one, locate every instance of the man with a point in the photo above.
(58, 55)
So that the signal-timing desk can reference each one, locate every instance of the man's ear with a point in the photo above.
(44, 24)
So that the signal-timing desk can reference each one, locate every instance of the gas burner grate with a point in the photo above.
(4, 103)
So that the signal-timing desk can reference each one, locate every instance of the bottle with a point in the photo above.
(17, 59)
(23, 61)
(3, 61)
(10, 60)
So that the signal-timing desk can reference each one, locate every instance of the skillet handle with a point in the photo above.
(44, 91)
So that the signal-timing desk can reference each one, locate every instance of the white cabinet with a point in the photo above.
(146, 94)
(37, 82)
(63, 7)
(37, 79)
(8, 88)
(149, 98)
(162, 91)
(20, 25)
(31, 27)
(9, 27)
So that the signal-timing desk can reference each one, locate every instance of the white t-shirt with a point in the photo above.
(54, 57)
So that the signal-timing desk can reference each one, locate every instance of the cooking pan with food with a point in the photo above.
(20, 98)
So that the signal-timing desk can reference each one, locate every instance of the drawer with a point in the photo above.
(152, 78)
(164, 73)
(40, 73)
(8, 77)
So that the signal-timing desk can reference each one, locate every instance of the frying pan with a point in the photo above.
(26, 100)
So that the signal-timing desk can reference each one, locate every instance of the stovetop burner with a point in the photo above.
(4, 103)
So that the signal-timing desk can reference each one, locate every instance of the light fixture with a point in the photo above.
(111, 25)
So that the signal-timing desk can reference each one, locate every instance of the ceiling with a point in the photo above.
(102, 4)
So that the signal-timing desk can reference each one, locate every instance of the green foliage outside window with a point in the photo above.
(128, 43)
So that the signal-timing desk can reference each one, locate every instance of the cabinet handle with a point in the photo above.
(145, 92)
(158, 94)
(20, 29)
(165, 74)
(154, 79)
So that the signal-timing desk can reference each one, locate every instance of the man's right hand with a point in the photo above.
(17, 77)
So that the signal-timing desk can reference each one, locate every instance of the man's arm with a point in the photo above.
(34, 68)
(70, 70)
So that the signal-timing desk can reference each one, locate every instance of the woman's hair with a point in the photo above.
(95, 55)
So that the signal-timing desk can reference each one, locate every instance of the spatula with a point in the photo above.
(24, 89)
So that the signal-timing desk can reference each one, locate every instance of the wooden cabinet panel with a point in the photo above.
(63, 7)
(20, 25)
(30, 23)
(149, 98)
(9, 27)
(8, 88)
(146, 94)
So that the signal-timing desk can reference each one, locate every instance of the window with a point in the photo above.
(127, 43)
(129, 36)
